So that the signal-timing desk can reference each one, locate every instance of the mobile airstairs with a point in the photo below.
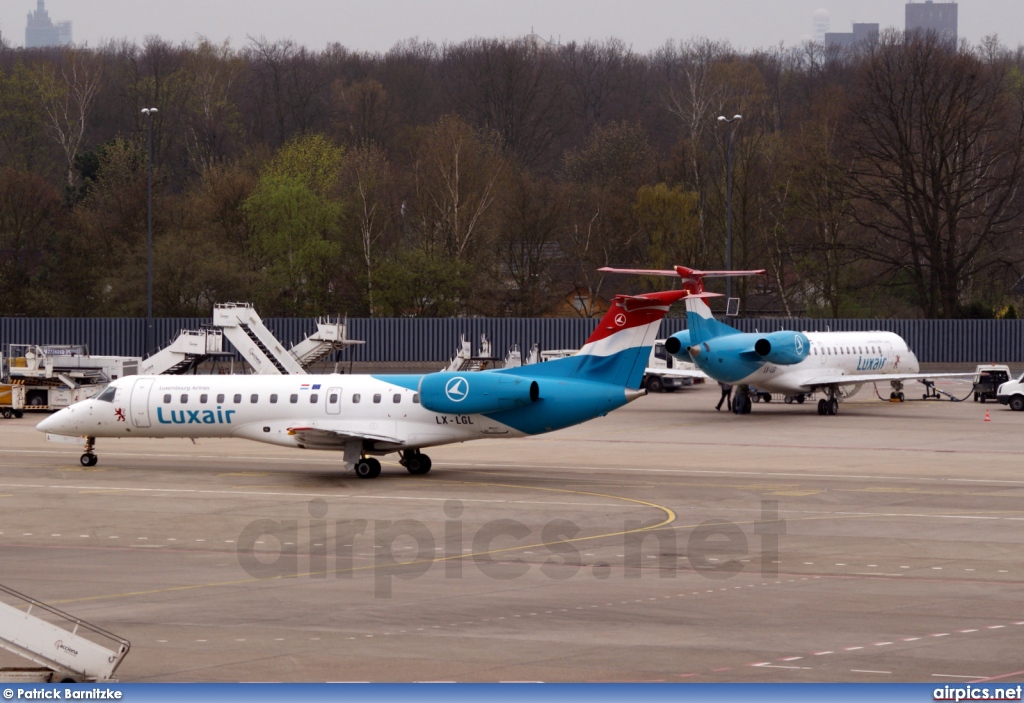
(187, 351)
(65, 648)
(260, 348)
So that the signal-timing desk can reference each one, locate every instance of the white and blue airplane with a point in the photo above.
(366, 416)
(793, 364)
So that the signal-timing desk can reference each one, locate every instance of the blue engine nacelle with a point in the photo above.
(677, 344)
(480, 392)
(783, 348)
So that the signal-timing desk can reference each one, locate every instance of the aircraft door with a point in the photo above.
(333, 401)
(139, 404)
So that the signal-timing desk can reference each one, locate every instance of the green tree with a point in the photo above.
(294, 246)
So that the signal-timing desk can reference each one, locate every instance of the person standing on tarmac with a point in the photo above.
(726, 396)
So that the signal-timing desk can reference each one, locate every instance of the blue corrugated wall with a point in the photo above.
(436, 339)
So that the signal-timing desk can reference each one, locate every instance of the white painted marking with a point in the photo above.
(869, 671)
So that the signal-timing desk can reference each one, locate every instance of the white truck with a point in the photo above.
(1012, 393)
(49, 377)
(665, 373)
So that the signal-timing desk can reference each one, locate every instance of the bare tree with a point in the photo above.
(70, 88)
(938, 148)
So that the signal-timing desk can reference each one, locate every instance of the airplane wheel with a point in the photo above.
(800, 399)
(821, 407)
(88, 460)
(788, 400)
(899, 396)
(833, 406)
(766, 397)
(368, 468)
(418, 464)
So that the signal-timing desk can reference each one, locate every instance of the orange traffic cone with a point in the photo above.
(987, 418)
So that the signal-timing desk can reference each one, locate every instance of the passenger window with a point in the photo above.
(397, 397)
(203, 398)
(415, 397)
(294, 398)
(167, 397)
(254, 398)
(184, 398)
(220, 397)
(332, 398)
(273, 397)
(356, 397)
(237, 398)
(107, 396)
(376, 397)
(313, 398)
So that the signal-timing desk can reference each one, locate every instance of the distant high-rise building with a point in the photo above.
(928, 16)
(820, 25)
(41, 31)
(863, 32)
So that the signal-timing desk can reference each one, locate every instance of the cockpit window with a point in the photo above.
(107, 396)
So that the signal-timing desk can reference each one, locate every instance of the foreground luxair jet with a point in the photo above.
(794, 364)
(372, 415)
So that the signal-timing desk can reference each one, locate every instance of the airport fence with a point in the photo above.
(436, 339)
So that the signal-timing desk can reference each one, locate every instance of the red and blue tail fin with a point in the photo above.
(702, 324)
(618, 350)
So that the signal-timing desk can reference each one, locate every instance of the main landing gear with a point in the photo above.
(368, 467)
(829, 405)
(897, 391)
(415, 462)
(89, 459)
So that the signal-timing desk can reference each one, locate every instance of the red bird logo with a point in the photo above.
(120, 414)
(896, 364)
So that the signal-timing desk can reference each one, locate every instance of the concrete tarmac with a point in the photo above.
(664, 542)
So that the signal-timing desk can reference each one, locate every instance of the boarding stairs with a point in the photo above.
(258, 345)
(185, 353)
(67, 648)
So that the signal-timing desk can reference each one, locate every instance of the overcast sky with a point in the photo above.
(377, 25)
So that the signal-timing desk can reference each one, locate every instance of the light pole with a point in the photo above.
(149, 112)
(728, 203)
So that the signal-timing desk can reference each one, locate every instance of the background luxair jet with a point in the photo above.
(792, 363)
(372, 415)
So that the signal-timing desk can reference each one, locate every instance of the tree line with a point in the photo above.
(495, 176)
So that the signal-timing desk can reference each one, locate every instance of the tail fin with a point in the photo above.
(699, 320)
(617, 351)
(702, 324)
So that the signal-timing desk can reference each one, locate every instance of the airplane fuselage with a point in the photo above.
(386, 410)
(829, 354)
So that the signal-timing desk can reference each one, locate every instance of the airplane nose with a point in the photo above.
(58, 423)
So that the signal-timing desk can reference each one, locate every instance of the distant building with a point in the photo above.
(863, 32)
(820, 25)
(928, 16)
(42, 31)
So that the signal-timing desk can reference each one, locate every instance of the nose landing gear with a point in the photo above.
(88, 458)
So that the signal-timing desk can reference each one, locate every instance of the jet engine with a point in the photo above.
(480, 392)
(783, 348)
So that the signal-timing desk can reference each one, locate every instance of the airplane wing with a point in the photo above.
(324, 438)
(853, 379)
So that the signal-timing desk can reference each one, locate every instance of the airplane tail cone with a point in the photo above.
(987, 418)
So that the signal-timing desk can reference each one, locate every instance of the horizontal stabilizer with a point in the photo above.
(683, 272)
